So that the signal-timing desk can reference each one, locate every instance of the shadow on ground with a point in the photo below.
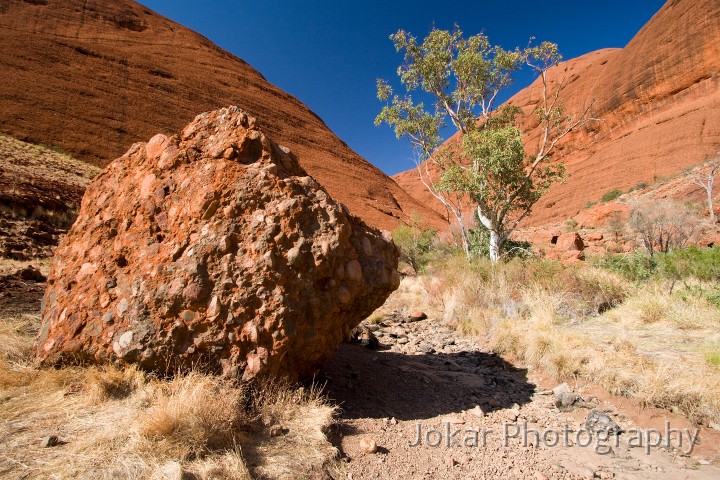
(383, 384)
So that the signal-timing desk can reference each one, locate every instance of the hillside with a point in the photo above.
(94, 77)
(659, 101)
(40, 193)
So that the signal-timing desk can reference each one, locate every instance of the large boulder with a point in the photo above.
(212, 249)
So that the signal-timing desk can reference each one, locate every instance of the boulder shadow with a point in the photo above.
(383, 384)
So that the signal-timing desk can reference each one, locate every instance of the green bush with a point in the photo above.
(635, 267)
(681, 263)
(611, 195)
(415, 244)
(695, 262)
(479, 239)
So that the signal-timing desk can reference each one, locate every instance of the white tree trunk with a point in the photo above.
(709, 190)
(495, 238)
(494, 246)
(464, 236)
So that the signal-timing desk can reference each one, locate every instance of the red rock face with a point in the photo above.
(213, 249)
(659, 101)
(94, 76)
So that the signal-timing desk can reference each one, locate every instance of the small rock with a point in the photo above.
(417, 316)
(451, 462)
(560, 389)
(30, 273)
(51, 441)
(567, 401)
(477, 411)
(540, 476)
(365, 337)
(511, 414)
(598, 421)
(393, 421)
(714, 425)
(368, 446)
(425, 348)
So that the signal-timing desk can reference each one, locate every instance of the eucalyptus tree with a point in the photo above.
(485, 163)
(707, 182)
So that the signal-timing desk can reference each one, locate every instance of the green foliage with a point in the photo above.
(480, 245)
(461, 74)
(710, 294)
(691, 262)
(415, 243)
(679, 264)
(712, 357)
(488, 165)
(635, 267)
(611, 195)
(496, 178)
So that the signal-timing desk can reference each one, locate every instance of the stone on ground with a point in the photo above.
(212, 249)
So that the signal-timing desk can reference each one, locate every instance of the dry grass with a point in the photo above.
(22, 158)
(586, 323)
(122, 423)
(8, 265)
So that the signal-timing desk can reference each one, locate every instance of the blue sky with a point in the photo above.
(329, 53)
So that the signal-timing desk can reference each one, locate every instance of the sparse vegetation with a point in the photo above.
(642, 185)
(616, 226)
(480, 245)
(663, 225)
(415, 243)
(597, 323)
(611, 195)
(122, 423)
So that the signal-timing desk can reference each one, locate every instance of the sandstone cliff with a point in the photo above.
(659, 101)
(93, 77)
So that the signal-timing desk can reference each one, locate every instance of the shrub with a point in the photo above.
(616, 225)
(693, 261)
(640, 186)
(197, 415)
(479, 238)
(663, 225)
(635, 267)
(701, 263)
(415, 243)
(611, 195)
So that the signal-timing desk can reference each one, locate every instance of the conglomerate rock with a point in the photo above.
(212, 249)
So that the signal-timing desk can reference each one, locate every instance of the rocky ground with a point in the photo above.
(484, 412)
(477, 414)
